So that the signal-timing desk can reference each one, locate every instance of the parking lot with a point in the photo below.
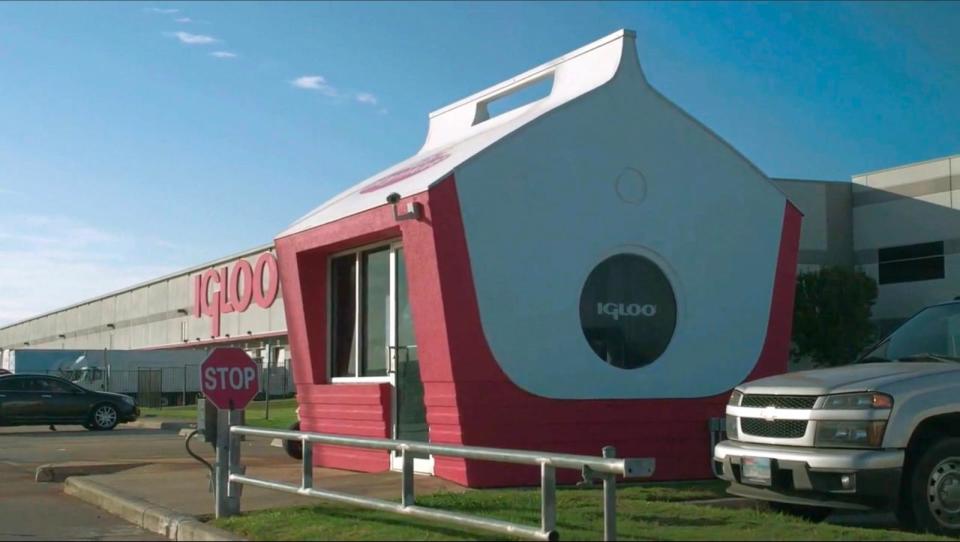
(40, 511)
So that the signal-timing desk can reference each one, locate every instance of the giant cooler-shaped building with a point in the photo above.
(593, 268)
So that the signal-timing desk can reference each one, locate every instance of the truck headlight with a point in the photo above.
(856, 401)
(735, 398)
(850, 434)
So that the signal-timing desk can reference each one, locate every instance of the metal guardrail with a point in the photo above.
(605, 468)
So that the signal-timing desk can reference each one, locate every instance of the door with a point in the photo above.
(16, 403)
(61, 401)
(31, 401)
(149, 387)
(410, 420)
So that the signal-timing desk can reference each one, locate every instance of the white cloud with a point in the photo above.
(61, 260)
(183, 20)
(167, 11)
(314, 82)
(366, 98)
(194, 39)
(223, 54)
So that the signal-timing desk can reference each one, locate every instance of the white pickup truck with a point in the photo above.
(883, 433)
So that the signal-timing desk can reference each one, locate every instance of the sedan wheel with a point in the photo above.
(105, 418)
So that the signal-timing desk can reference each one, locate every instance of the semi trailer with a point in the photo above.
(153, 377)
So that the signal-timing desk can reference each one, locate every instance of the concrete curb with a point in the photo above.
(146, 515)
(162, 425)
(58, 472)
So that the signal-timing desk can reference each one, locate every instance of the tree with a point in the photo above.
(831, 319)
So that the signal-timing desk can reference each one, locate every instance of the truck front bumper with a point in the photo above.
(815, 476)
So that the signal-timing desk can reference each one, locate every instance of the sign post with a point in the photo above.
(230, 380)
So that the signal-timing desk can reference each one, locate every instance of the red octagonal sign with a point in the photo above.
(229, 378)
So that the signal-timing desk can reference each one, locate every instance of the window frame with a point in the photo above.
(939, 254)
(12, 378)
(359, 312)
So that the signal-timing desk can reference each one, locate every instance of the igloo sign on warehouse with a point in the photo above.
(239, 285)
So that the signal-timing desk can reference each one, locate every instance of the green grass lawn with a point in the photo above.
(644, 512)
(282, 413)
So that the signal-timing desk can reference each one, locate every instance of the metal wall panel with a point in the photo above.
(154, 314)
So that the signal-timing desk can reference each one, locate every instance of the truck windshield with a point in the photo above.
(933, 334)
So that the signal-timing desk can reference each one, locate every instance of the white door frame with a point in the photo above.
(420, 466)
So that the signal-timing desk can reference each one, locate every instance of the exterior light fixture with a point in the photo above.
(62, 336)
(414, 209)
(26, 343)
(182, 311)
(111, 326)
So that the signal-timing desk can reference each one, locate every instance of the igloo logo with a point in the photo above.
(628, 311)
(239, 285)
(618, 310)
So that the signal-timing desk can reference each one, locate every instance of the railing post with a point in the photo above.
(234, 490)
(609, 499)
(548, 498)
(224, 506)
(306, 479)
(406, 485)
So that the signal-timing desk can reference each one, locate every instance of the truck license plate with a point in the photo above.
(756, 470)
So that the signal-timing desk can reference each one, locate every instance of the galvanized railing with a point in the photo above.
(605, 468)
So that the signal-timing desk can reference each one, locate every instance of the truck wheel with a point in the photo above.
(934, 488)
(294, 448)
(814, 514)
(104, 417)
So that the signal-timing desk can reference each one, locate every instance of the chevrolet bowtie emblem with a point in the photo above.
(769, 413)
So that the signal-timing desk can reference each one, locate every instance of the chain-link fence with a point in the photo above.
(155, 387)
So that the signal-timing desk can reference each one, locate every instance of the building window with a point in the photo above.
(343, 295)
(628, 311)
(360, 313)
(910, 263)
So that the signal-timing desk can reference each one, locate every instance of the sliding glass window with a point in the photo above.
(360, 313)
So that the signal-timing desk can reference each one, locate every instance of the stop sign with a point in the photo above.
(229, 378)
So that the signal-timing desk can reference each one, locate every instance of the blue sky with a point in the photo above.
(139, 138)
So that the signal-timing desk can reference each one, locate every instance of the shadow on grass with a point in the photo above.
(401, 522)
(669, 521)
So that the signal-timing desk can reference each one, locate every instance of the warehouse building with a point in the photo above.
(898, 225)
(232, 301)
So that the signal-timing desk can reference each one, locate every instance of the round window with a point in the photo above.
(628, 311)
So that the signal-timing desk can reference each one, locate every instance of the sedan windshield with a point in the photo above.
(933, 334)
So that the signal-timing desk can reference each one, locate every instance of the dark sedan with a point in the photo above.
(48, 400)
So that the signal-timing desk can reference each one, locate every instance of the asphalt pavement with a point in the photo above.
(40, 511)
